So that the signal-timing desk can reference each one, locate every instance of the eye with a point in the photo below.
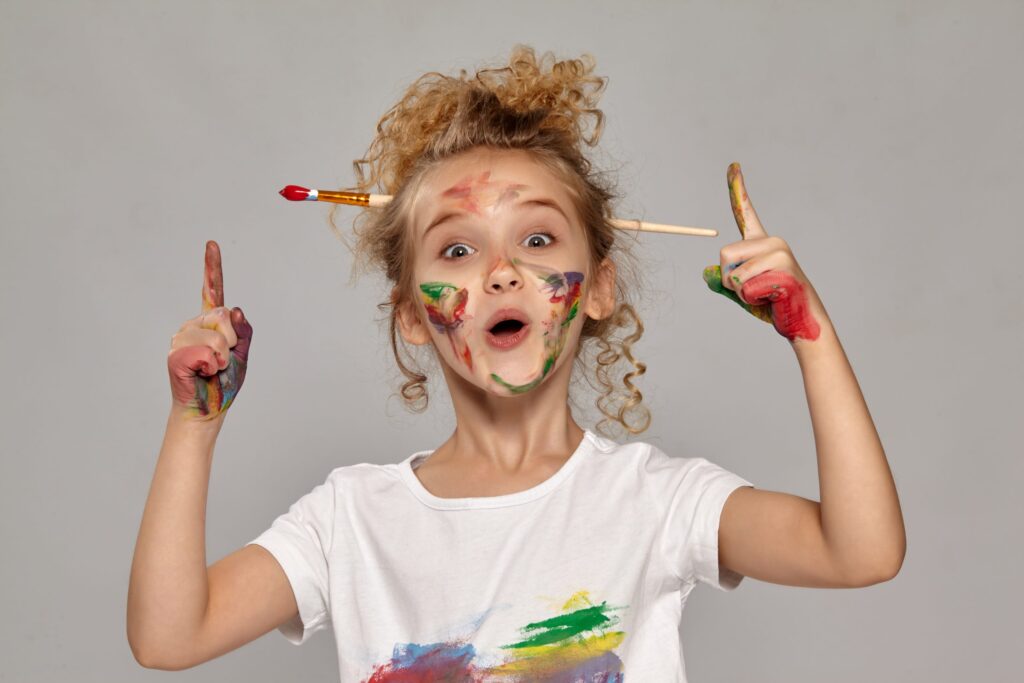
(457, 251)
(539, 239)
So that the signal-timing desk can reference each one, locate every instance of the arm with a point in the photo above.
(181, 613)
(168, 588)
(855, 536)
(861, 519)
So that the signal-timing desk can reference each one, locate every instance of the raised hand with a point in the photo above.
(762, 274)
(209, 353)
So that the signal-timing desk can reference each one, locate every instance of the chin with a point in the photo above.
(514, 371)
(499, 387)
(515, 386)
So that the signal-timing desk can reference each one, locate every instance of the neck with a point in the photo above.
(510, 433)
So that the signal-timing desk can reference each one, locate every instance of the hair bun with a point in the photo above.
(557, 96)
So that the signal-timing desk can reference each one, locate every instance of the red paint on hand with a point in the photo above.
(791, 311)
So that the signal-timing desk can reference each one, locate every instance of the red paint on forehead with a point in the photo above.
(469, 190)
(464, 188)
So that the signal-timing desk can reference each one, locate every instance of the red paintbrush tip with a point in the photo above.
(295, 193)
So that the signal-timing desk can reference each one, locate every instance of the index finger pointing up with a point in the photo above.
(742, 209)
(213, 278)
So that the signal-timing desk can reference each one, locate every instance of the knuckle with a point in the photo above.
(219, 343)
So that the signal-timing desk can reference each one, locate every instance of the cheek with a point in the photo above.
(445, 305)
(564, 304)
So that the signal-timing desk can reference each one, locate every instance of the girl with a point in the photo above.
(525, 547)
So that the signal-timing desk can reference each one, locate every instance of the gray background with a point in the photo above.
(881, 140)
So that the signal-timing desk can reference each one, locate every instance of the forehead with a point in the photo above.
(486, 172)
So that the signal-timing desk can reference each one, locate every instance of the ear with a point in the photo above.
(600, 298)
(410, 324)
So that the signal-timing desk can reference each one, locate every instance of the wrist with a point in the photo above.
(823, 349)
(188, 420)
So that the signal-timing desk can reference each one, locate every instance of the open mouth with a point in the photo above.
(507, 329)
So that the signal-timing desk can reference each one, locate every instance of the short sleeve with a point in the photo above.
(696, 493)
(300, 541)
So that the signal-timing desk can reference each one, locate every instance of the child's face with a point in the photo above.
(497, 239)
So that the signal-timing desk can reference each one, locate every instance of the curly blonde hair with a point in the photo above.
(542, 107)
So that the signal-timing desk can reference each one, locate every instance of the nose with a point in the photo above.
(503, 278)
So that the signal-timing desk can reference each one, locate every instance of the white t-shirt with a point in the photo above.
(581, 578)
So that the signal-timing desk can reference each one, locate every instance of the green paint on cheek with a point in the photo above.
(446, 308)
(572, 313)
(435, 289)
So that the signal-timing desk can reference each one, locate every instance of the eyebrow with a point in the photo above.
(539, 201)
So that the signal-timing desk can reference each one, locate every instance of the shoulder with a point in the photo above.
(350, 480)
(642, 460)
(364, 475)
(648, 459)
(661, 472)
(608, 458)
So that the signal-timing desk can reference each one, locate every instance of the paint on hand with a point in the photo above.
(564, 290)
(576, 645)
(776, 297)
(214, 395)
(475, 193)
(446, 309)
(213, 278)
(713, 278)
(205, 397)
(738, 197)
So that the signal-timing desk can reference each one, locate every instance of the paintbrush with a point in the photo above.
(296, 193)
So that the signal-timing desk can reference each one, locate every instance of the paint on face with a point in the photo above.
(446, 309)
(472, 194)
(564, 290)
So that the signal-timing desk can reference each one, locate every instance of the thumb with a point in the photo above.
(243, 330)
